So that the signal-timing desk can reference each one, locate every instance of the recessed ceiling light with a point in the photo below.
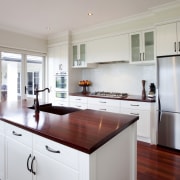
(90, 14)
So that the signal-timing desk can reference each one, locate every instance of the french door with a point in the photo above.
(20, 75)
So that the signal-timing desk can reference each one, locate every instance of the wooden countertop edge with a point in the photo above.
(80, 148)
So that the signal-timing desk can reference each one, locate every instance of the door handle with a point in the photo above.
(16, 134)
(51, 150)
(29, 169)
(32, 162)
(159, 116)
(174, 46)
(25, 89)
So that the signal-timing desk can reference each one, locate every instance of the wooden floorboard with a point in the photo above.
(157, 163)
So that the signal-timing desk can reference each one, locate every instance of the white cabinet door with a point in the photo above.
(143, 110)
(55, 161)
(2, 151)
(142, 47)
(167, 42)
(108, 49)
(18, 154)
(52, 169)
(58, 58)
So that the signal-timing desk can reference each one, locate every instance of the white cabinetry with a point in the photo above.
(31, 157)
(115, 48)
(2, 151)
(79, 56)
(58, 58)
(19, 158)
(102, 104)
(145, 112)
(168, 39)
(55, 161)
(78, 102)
(142, 47)
(58, 74)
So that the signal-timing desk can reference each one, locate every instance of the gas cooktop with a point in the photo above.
(109, 94)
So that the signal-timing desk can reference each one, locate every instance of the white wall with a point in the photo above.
(22, 42)
(120, 77)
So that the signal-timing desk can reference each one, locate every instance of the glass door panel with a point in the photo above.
(135, 47)
(10, 76)
(34, 75)
(149, 45)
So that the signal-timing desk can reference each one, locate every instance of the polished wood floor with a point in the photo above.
(157, 163)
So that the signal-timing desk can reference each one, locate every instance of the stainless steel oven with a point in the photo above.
(61, 81)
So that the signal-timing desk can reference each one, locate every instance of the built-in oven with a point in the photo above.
(61, 81)
(61, 89)
(61, 94)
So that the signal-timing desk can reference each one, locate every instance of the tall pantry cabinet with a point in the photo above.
(58, 74)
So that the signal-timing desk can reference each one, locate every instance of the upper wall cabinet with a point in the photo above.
(168, 39)
(79, 56)
(142, 47)
(58, 59)
(108, 49)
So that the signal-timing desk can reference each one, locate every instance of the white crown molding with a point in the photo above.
(150, 13)
(165, 7)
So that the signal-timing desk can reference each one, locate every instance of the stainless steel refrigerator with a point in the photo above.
(168, 85)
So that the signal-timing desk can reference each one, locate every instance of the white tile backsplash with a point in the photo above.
(120, 77)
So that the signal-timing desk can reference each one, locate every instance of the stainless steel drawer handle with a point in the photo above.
(51, 150)
(16, 134)
(134, 104)
(102, 101)
(102, 109)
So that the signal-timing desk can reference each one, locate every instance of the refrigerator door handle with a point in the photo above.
(159, 110)
(159, 116)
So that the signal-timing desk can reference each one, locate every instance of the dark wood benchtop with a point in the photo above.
(128, 98)
(84, 130)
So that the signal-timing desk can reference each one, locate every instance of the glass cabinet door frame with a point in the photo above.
(141, 58)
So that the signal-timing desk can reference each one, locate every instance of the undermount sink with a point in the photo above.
(60, 110)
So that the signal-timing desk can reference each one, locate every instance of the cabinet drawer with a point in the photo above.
(56, 151)
(136, 105)
(61, 103)
(97, 101)
(135, 112)
(103, 101)
(78, 99)
(78, 105)
(18, 134)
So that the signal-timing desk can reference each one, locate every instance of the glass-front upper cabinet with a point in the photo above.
(79, 52)
(142, 47)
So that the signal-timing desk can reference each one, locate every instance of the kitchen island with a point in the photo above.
(103, 144)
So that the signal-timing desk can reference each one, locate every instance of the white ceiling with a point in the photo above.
(43, 17)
